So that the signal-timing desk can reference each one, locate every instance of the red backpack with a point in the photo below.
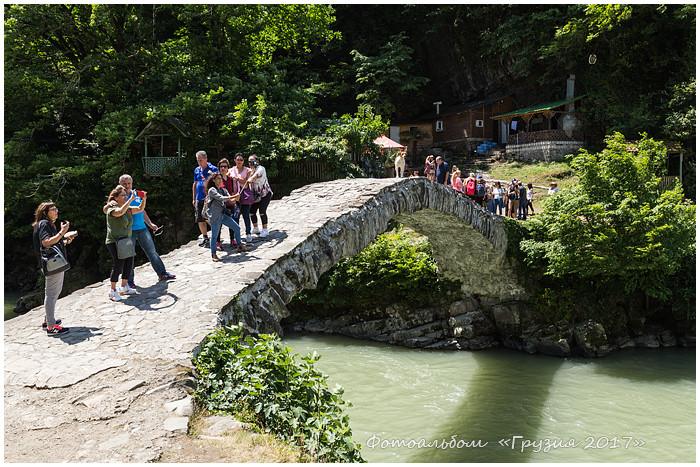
(471, 186)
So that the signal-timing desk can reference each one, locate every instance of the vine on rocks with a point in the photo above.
(258, 380)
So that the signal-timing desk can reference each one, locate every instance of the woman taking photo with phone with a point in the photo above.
(46, 236)
(119, 223)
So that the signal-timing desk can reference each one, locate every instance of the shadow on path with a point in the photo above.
(78, 334)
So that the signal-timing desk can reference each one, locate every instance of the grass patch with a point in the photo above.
(538, 173)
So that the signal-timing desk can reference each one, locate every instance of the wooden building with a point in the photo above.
(457, 128)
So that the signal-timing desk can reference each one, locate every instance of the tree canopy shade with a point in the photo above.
(616, 226)
(304, 81)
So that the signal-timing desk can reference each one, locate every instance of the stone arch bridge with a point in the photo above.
(339, 219)
(108, 378)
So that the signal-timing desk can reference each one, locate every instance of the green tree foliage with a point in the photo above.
(386, 77)
(395, 268)
(616, 227)
(82, 80)
(259, 380)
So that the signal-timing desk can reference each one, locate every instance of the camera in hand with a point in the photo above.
(141, 194)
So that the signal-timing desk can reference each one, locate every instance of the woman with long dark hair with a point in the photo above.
(45, 236)
(261, 188)
(217, 196)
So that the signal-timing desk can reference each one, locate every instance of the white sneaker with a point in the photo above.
(114, 296)
(127, 290)
(248, 239)
(264, 233)
(256, 230)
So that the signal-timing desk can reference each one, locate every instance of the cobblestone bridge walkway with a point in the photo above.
(98, 393)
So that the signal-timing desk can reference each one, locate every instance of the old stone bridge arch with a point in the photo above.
(338, 219)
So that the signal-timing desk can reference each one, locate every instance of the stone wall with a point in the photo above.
(542, 151)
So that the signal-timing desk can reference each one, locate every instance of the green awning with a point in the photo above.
(538, 108)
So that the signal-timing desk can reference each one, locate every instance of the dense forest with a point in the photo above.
(299, 82)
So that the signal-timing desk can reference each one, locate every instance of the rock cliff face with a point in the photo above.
(476, 323)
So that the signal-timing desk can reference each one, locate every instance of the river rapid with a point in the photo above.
(500, 405)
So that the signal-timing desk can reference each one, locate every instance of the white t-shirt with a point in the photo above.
(260, 185)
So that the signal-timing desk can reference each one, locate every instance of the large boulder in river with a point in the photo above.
(591, 339)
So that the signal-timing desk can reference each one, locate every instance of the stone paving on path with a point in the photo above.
(98, 392)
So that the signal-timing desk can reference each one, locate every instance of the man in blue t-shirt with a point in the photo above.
(140, 235)
(442, 168)
(201, 173)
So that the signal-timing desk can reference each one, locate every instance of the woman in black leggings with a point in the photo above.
(261, 188)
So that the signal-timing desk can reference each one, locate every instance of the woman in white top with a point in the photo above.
(498, 194)
(261, 189)
(530, 195)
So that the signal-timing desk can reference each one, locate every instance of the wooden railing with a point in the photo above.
(156, 166)
(545, 135)
(312, 170)
(668, 181)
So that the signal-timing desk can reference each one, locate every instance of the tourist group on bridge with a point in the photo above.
(515, 198)
(221, 195)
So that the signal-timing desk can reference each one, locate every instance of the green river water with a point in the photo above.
(630, 406)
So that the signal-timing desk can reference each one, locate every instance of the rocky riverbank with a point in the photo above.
(476, 323)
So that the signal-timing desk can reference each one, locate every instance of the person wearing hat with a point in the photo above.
(552, 188)
(480, 190)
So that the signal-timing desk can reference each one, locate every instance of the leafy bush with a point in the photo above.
(259, 380)
(616, 226)
(395, 268)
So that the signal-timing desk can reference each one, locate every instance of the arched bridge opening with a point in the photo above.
(467, 242)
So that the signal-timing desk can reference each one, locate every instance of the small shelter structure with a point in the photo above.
(162, 145)
(544, 131)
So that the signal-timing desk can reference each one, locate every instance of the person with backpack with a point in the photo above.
(522, 198)
(470, 186)
(512, 200)
(480, 192)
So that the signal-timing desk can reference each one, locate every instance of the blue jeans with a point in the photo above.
(498, 203)
(489, 205)
(522, 212)
(216, 228)
(143, 238)
(245, 214)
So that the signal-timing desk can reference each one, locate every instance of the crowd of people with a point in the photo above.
(514, 198)
(221, 195)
